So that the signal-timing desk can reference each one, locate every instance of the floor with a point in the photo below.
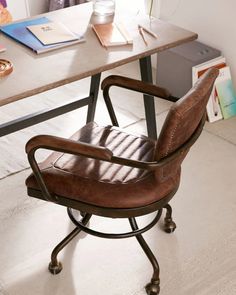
(199, 258)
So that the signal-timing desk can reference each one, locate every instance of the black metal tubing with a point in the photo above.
(168, 211)
(146, 76)
(169, 224)
(55, 266)
(113, 236)
(110, 108)
(156, 269)
(93, 93)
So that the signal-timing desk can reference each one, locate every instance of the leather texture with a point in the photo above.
(181, 122)
(103, 183)
(110, 185)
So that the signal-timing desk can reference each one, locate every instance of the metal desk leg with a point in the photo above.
(93, 94)
(146, 75)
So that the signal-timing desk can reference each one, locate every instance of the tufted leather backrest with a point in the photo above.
(184, 118)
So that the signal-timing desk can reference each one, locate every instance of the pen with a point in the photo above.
(148, 31)
(141, 33)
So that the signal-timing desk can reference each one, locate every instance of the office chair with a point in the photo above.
(109, 172)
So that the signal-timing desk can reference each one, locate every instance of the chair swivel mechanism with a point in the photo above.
(106, 171)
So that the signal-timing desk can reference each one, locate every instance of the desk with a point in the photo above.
(34, 74)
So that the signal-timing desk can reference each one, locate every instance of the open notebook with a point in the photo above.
(52, 33)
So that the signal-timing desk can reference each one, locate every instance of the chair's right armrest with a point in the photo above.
(60, 145)
(67, 146)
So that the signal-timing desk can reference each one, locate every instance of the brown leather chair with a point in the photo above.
(108, 172)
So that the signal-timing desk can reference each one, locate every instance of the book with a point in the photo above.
(112, 34)
(226, 93)
(214, 112)
(210, 63)
(52, 33)
(2, 48)
(19, 32)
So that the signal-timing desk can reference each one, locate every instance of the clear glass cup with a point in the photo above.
(104, 7)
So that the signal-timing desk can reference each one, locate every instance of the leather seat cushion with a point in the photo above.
(103, 183)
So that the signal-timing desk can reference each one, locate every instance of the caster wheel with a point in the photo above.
(169, 226)
(55, 269)
(153, 288)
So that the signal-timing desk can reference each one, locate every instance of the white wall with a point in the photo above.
(213, 20)
(37, 6)
(24, 8)
(18, 8)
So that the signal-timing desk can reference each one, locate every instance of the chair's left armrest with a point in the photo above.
(135, 85)
(131, 84)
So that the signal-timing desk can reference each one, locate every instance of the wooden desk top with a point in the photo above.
(34, 73)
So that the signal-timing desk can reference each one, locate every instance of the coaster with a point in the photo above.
(6, 67)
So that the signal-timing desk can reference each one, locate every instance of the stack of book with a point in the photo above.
(222, 101)
(41, 34)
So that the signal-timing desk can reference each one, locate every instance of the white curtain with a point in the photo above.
(58, 4)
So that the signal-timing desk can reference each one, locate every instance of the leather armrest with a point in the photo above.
(135, 85)
(61, 145)
(67, 146)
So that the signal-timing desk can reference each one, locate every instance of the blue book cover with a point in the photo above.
(19, 32)
(226, 93)
(227, 97)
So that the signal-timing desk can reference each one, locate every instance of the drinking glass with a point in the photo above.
(104, 7)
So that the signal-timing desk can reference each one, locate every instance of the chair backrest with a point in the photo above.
(183, 120)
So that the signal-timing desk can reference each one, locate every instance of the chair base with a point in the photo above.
(134, 233)
(153, 287)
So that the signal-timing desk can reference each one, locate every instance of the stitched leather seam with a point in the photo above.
(172, 136)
